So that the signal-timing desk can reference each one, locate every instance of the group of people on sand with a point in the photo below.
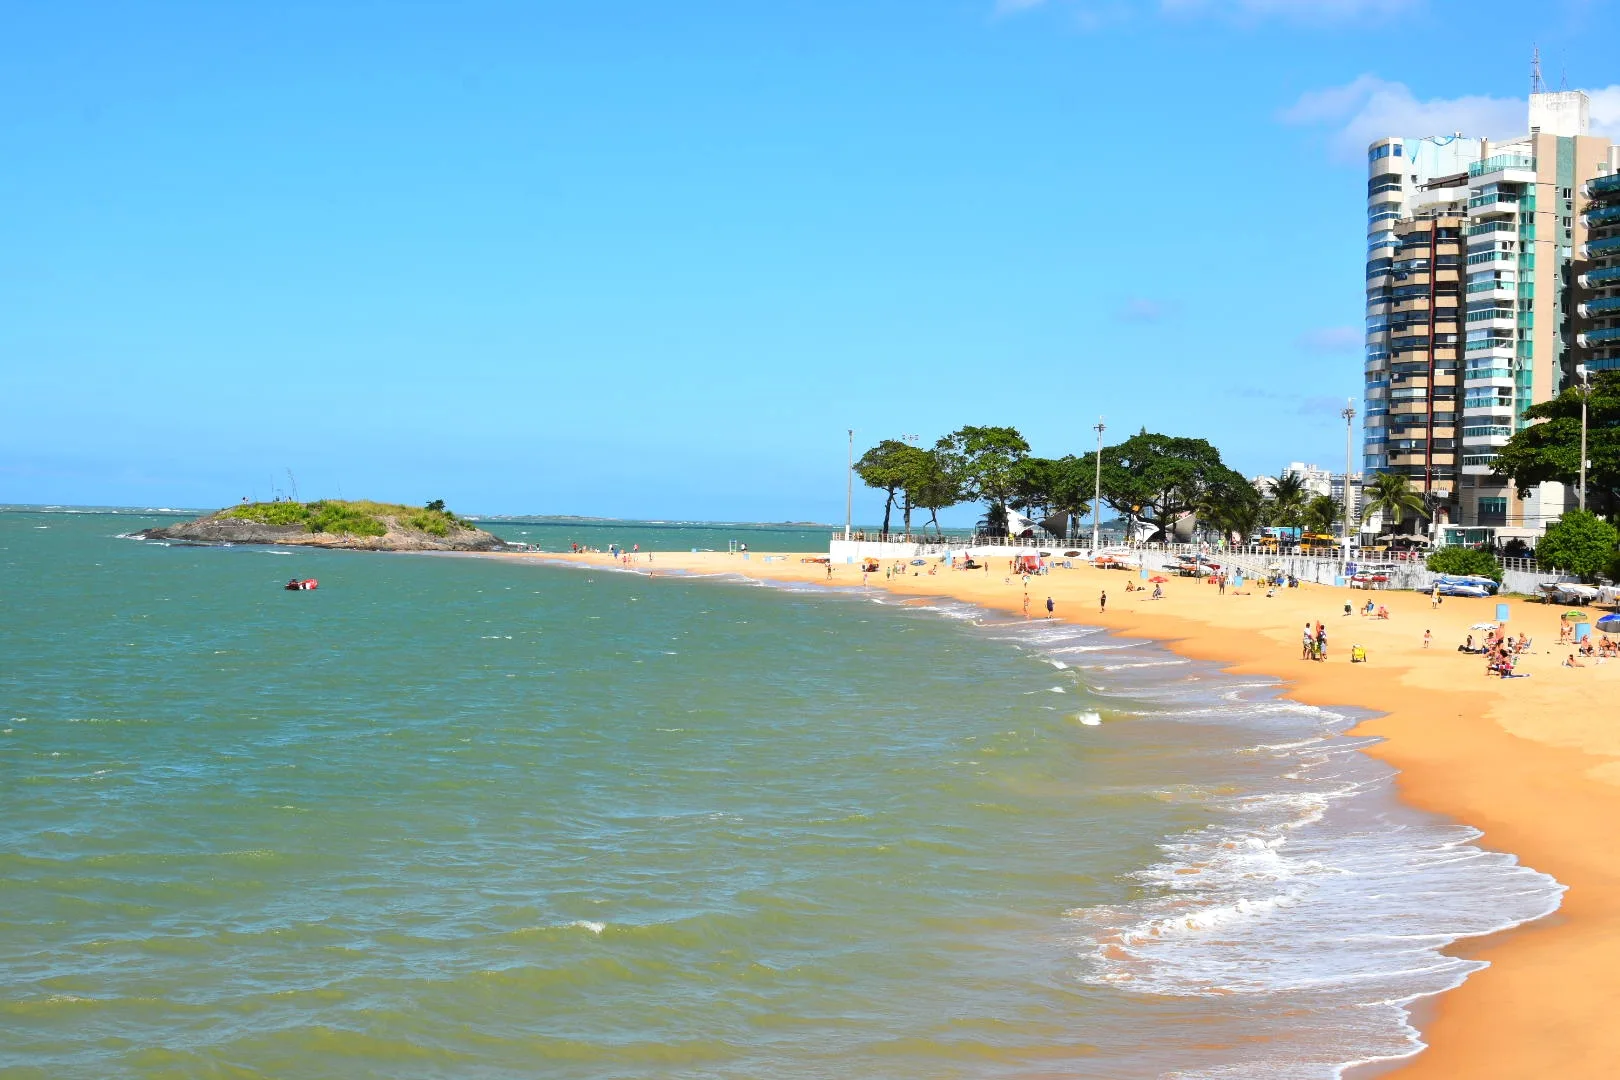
(1314, 642)
(1370, 610)
(1600, 652)
(1501, 652)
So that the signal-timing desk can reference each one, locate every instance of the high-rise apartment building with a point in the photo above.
(1472, 308)
(1597, 272)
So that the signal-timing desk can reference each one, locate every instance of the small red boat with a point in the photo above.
(297, 585)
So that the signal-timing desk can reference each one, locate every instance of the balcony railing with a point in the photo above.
(1604, 216)
(1600, 307)
(1603, 185)
(1498, 162)
(1609, 275)
(1603, 247)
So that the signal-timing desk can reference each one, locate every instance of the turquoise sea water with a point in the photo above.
(460, 817)
(556, 534)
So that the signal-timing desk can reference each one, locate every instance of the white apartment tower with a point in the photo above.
(1471, 318)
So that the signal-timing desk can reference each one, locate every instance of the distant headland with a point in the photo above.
(334, 523)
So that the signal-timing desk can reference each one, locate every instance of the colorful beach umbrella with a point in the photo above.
(1573, 616)
(1609, 624)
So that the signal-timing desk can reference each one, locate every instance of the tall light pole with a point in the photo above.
(1586, 391)
(1096, 499)
(1349, 415)
(849, 488)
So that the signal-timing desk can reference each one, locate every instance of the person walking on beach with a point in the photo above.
(1102, 605)
(1425, 639)
(1307, 648)
(1220, 582)
(1049, 607)
(1434, 597)
(1321, 642)
(1026, 603)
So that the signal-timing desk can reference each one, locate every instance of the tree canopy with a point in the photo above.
(984, 461)
(1552, 450)
(1159, 478)
(1579, 543)
(929, 485)
(1288, 500)
(1465, 560)
(1393, 495)
(1047, 487)
(883, 467)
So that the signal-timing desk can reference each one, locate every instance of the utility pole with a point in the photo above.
(1586, 392)
(849, 488)
(1349, 415)
(1096, 500)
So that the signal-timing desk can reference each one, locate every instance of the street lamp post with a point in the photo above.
(1349, 415)
(1586, 392)
(1096, 500)
(849, 488)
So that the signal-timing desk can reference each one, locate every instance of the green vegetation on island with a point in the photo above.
(339, 523)
(340, 517)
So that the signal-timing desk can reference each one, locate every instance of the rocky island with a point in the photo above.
(334, 523)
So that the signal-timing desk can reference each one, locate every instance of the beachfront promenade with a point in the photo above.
(1519, 575)
(1534, 762)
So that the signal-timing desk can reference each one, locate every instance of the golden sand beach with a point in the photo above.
(1534, 762)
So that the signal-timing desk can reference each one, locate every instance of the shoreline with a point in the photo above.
(1526, 761)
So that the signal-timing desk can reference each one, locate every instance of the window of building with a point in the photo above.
(1569, 193)
(1492, 510)
(1565, 223)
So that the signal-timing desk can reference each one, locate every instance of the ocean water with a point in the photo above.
(459, 817)
(556, 534)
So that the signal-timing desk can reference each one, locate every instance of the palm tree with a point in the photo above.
(1288, 499)
(1322, 513)
(1393, 495)
(1231, 509)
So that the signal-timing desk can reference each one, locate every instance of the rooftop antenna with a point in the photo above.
(1536, 84)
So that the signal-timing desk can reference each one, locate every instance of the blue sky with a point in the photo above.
(654, 259)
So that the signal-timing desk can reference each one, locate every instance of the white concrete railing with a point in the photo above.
(1406, 571)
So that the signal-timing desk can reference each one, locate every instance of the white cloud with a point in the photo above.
(1330, 339)
(1606, 112)
(1369, 108)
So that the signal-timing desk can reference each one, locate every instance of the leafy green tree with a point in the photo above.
(437, 505)
(1159, 478)
(1579, 543)
(914, 468)
(1465, 560)
(1286, 505)
(1044, 487)
(1552, 450)
(1393, 495)
(882, 467)
(930, 485)
(1322, 513)
(984, 461)
(1232, 508)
